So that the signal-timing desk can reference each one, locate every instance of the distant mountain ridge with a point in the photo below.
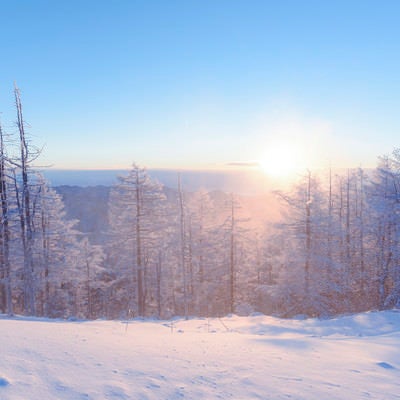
(245, 182)
(89, 206)
(249, 181)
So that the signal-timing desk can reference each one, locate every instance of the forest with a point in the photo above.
(333, 249)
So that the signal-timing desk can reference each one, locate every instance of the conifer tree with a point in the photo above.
(135, 215)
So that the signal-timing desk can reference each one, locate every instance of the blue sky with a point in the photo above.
(201, 84)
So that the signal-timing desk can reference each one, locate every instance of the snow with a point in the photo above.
(256, 357)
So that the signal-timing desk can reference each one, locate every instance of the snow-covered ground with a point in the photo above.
(258, 357)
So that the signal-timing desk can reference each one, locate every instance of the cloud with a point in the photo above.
(243, 164)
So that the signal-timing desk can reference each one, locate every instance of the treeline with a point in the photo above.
(334, 250)
(44, 261)
(171, 252)
(339, 243)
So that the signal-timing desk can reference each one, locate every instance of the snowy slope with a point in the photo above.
(259, 357)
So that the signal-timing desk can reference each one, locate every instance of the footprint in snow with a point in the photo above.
(386, 365)
(3, 382)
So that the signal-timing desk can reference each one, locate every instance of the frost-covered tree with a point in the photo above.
(185, 248)
(28, 154)
(58, 255)
(93, 258)
(135, 220)
(203, 224)
(5, 234)
(303, 279)
(384, 203)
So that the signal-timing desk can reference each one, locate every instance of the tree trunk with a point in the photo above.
(183, 246)
(139, 261)
(232, 266)
(5, 229)
(25, 214)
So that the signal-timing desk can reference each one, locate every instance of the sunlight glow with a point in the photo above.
(281, 160)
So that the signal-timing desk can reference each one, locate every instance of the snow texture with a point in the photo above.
(256, 357)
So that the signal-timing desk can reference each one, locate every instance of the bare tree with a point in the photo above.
(5, 272)
(183, 246)
(27, 155)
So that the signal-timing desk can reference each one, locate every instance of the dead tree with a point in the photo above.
(5, 267)
(23, 192)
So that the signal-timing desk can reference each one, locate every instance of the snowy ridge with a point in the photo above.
(365, 324)
(256, 357)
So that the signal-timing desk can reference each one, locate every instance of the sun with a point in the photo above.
(280, 160)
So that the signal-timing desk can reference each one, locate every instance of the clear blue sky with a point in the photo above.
(202, 83)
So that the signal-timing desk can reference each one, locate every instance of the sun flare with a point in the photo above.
(280, 160)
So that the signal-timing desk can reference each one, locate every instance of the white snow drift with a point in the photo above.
(258, 357)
